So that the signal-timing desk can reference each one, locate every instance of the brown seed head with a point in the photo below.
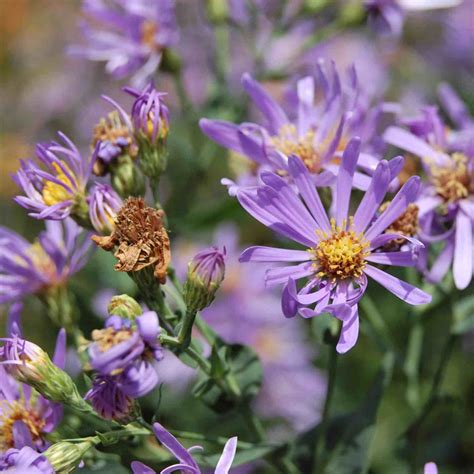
(406, 224)
(139, 239)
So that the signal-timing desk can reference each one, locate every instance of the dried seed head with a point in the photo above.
(139, 239)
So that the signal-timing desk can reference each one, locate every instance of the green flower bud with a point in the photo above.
(205, 274)
(125, 307)
(65, 457)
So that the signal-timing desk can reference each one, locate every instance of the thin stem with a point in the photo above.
(377, 322)
(253, 423)
(321, 440)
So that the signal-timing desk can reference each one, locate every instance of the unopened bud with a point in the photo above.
(126, 178)
(104, 203)
(125, 307)
(65, 457)
(30, 364)
(205, 274)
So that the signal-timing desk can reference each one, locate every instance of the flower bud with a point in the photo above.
(65, 457)
(150, 118)
(125, 307)
(205, 274)
(104, 203)
(29, 364)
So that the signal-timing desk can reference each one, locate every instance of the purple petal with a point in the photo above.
(399, 259)
(224, 133)
(225, 461)
(148, 326)
(140, 468)
(344, 179)
(274, 114)
(430, 468)
(463, 242)
(442, 264)
(399, 288)
(270, 254)
(59, 357)
(280, 275)
(396, 208)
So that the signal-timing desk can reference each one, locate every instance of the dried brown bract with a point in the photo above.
(139, 239)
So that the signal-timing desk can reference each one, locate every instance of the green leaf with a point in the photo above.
(463, 316)
(237, 361)
(351, 452)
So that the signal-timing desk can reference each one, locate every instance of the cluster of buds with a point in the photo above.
(205, 274)
(122, 354)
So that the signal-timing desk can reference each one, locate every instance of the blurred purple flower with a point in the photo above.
(104, 203)
(53, 190)
(339, 252)
(431, 468)
(129, 35)
(24, 461)
(186, 462)
(25, 416)
(316, 131)
(385, 16)
(446, 203)
(60, 251)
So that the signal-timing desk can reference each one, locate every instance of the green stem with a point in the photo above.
(377, 323)
(253, 423)
(321, 440)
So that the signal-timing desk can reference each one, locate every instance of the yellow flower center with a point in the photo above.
(406, 224)
(453, 182)
(341, 253)
(109, 337)
(288, 143)
(54, 193)
(11, 412)
(148, 31)
(111, 129)
(42, 261)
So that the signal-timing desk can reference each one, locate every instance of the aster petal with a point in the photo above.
(222, 132)
(59, 357)
(227, 457)
(403, 290)
(442, 263)
(430, 468)
(396, 208)
(305, 91)
(271, 254)
(276, 276)
(148, 326)
(453, 105)
(272, 111)
(21, 435)
(173, 445)
(302, 179)
(463, 251)
(373, 197)
(289, 306)
(140, 468)
(398, 259)
(344, 179)
(349, 316)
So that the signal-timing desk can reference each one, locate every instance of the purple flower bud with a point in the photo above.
(205, 274)
(104, 203)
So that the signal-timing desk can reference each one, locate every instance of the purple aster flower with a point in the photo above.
(129, 35)
(25, 416)
(55, 186)
(108, 400)
(59, 252)
(431, 468)
(317, 130)
(104, 203)
(150, 116)
(125, 349)
(186, 462)
(340, 252)
(446, 203)
(385, 16)
(25, 461)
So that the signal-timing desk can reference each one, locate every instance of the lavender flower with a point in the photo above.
(446, 204)
(104, 203)
(205, 274)
(25, 268)
(57, 189)
(25, 460)
(317, 135)
(125, 349)
(25, 416)
(339, 251)
(186, 462)
(129, 35)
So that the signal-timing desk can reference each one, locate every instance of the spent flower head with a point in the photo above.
(139, 239)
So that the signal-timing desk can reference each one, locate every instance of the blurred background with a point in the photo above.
(44, 90)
